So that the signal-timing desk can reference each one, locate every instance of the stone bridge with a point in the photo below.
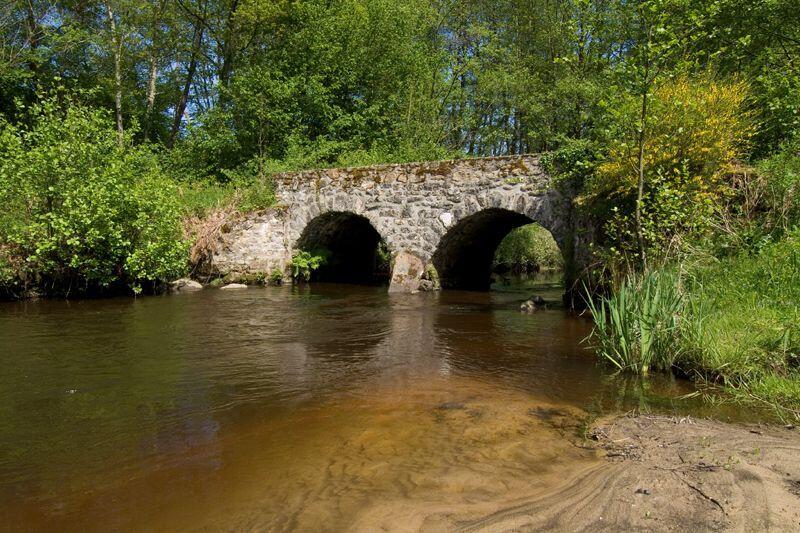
(447, 214)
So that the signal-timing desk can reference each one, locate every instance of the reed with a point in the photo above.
(637, 327)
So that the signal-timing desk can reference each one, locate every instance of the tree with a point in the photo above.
(661, 38)
(86, 209)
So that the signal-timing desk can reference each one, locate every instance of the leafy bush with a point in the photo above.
(304, 263)
(275, 277)
(636, 329)
(528, 249)
(83, 208)
(697, 129)
(206, 151)
(779, 194)
(572, 163)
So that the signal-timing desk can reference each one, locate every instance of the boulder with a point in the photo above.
(427, 285)
(406, 274)
(537, 300)
(230, 286)
(184, 285)
(534, 303)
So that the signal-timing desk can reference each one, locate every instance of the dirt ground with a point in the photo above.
(672, 474)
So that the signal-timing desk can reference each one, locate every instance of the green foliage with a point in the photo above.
(209, 149)
(245, 189)
(84, 208)
(697, 130)
(528, 248)
(761, 42)
(762, 206)
(229, 81)
(304, 263)
(637, 328)
(779, 191)
(275, 277)
(199, 198)
(746, 311)
(731, 321)
(572, 163)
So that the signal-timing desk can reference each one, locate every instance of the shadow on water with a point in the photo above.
(320, 407)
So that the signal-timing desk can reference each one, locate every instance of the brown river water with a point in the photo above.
(315, 408)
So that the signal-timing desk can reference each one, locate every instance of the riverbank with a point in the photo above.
(665, 473)
(721, 320)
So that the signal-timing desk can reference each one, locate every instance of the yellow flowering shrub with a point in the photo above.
(696, 130)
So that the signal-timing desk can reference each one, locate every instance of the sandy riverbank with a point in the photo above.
(672, 474)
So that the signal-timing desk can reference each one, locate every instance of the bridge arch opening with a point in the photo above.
(465, 256)
(353, 249)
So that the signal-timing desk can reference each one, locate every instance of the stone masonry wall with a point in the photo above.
(411, 206)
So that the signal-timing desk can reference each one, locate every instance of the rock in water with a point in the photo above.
(427, 285)
(534, 303)
(234, 286)
(184, 284)
(538, 301)
(408, 270)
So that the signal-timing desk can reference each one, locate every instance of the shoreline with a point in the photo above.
(662, 473)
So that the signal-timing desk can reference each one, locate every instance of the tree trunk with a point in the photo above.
(151, 93)
(640, 184)
(116, 42)
(641, 140)
(153, 70)
(197, 40)
(33, 37)
(228, 52)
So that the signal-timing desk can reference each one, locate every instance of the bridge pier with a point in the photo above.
(406, 272)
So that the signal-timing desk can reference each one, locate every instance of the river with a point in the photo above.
(320, 407)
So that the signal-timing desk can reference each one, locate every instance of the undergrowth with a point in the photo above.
(734, 322)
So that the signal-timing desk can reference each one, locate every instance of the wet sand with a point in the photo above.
(671, 474)
(452, 458)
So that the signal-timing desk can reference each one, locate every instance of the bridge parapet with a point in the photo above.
(485, 169)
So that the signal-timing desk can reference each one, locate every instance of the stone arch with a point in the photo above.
(413, 206)
(351, 242)
(464, 255)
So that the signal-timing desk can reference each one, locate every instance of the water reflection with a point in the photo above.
(318, 406)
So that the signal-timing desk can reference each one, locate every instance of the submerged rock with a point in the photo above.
(534, 303)
(427, 285)
(184, 284)
(234, 286)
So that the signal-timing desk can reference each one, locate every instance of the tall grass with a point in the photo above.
(637, 327)
(743, 321)
(733, 321)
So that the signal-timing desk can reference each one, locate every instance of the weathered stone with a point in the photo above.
(445, 212)
(426, 285)
(447, 219)
(408, 269)
(185, 285)
(534, 303)
(232, 286)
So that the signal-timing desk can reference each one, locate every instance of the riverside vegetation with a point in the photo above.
(678, 120)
